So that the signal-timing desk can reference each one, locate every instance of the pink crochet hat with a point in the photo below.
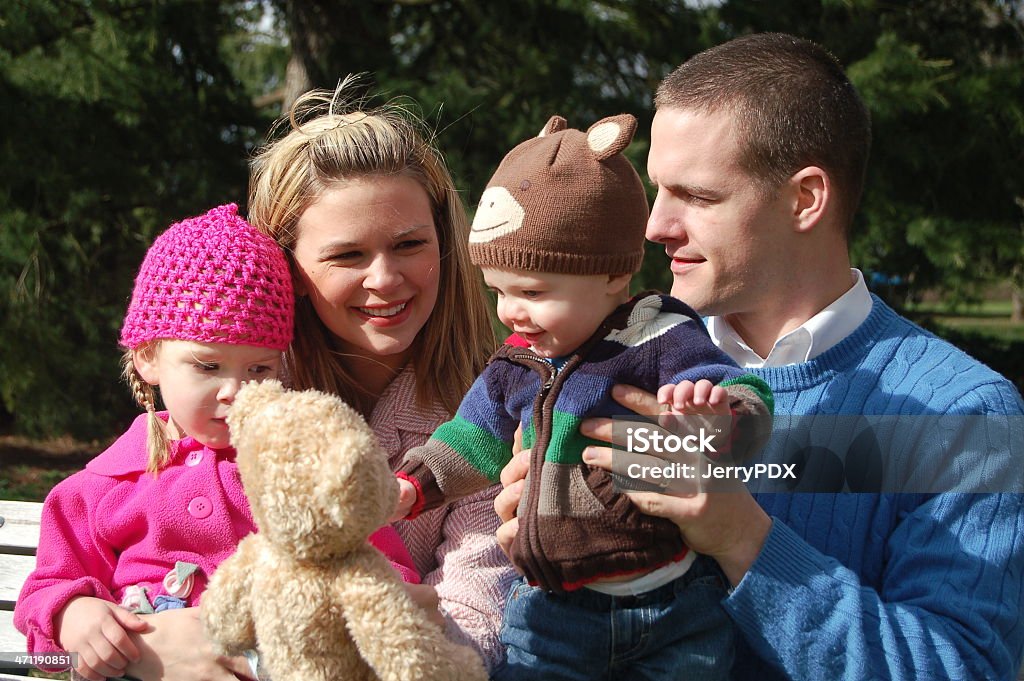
(212, 279)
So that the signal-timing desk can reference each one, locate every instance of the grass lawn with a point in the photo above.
(990, 318)
(30, 468)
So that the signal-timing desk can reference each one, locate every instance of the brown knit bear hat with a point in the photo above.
(566, 201)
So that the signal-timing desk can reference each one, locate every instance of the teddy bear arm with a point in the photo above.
(226, 604)
(392, 633)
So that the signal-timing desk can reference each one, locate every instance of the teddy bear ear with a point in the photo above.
(555, 124)
(609, 136)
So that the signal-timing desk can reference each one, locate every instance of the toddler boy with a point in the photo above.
(558, 233)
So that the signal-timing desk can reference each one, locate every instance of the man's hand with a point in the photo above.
(513, 480)
(174, 648)
(726, 524)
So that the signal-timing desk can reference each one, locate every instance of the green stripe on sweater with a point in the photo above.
(482, 450)
(566, 438)
(755, 385)
(529, 437)
(568, 443)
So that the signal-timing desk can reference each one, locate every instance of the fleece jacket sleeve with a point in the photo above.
(72, 560)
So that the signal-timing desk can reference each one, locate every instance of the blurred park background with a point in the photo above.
(122, 116)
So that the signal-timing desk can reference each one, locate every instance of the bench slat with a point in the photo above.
(19, 533)
(11, 639)
(19, 536)
(14, 570)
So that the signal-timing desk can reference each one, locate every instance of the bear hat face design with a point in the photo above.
(497, 215)
(564, 201)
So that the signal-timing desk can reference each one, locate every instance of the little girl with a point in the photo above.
(143, 527)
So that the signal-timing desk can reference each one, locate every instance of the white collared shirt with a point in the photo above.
(819, 333)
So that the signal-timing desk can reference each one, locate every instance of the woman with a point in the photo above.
(391, 316)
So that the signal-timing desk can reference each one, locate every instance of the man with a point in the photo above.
(758, 151)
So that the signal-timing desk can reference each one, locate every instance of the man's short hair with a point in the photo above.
(794, 107)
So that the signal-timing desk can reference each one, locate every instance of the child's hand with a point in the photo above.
(406, 498)
(702, 397)
(98, 631)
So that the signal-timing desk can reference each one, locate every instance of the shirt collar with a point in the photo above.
(815, 336)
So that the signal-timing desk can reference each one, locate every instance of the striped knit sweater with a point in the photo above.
(886, 586)
(574, 528)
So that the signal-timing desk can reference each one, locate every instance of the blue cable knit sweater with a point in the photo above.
(886, 586)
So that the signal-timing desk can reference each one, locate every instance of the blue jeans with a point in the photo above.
(677, 631)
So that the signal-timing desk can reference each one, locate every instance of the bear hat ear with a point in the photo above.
(555, 124)
(609, 136)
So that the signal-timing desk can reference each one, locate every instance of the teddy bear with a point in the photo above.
(308, 587)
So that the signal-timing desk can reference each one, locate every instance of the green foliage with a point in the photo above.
(24, 482)
(120, 118)
(940, 207)
(944, 80)
(489, 75)
(256, 50)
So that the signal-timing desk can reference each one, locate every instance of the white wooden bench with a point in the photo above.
(19, 537)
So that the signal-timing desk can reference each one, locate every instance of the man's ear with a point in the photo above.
(812, 197)
(617, 283)
(144, 359)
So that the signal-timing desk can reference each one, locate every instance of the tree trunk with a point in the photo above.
(305, 21)
(1017, 305)
(296, 81)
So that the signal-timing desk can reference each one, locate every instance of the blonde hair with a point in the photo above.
(158, 445)
(334, 137)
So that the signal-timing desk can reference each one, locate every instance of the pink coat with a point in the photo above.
(113, 526)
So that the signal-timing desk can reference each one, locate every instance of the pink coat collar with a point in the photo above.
(127, 456)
